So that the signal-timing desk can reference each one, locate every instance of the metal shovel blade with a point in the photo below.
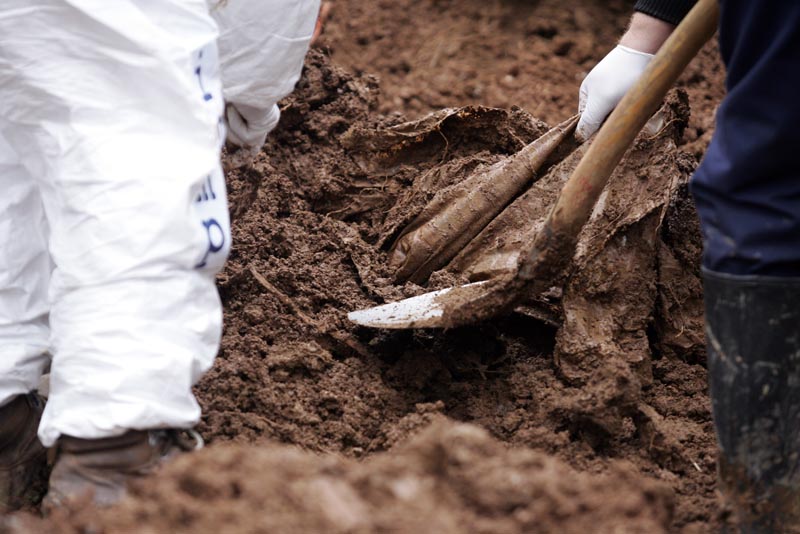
(422, 311)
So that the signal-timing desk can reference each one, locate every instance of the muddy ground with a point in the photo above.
(585, 410)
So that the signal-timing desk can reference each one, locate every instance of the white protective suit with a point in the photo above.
(113, 216)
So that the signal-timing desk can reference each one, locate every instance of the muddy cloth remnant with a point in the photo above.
(604, 300)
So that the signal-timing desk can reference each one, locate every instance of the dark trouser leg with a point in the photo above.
(747, 192)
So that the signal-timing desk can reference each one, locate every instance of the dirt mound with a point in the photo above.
(451, 478)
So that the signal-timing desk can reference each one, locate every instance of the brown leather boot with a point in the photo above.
(23, 459)
(98, 470)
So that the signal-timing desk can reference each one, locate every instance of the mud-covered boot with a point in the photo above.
(23, 459)
(753, 334)
(98, 470)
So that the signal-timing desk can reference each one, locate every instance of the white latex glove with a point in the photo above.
(605, 86)
(247, 129)
(248, 126)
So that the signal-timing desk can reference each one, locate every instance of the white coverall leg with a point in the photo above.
(24, 278)
(110, 126)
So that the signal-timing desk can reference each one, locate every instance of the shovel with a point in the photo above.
(554, 245)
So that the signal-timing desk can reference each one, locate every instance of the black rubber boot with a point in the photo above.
(753, 334)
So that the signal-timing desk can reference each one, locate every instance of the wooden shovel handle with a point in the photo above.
(578, 197)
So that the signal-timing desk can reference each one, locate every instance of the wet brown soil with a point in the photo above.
(533, 54)
(584, 411)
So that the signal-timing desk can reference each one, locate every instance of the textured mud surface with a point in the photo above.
(449, 478)
(586, 410)
(433, 54)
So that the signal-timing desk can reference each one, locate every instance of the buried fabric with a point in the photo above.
(604, 299)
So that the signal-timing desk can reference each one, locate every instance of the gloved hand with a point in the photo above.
(605, 86)
(248, 127)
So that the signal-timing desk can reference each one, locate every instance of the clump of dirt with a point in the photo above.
(450, 478)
